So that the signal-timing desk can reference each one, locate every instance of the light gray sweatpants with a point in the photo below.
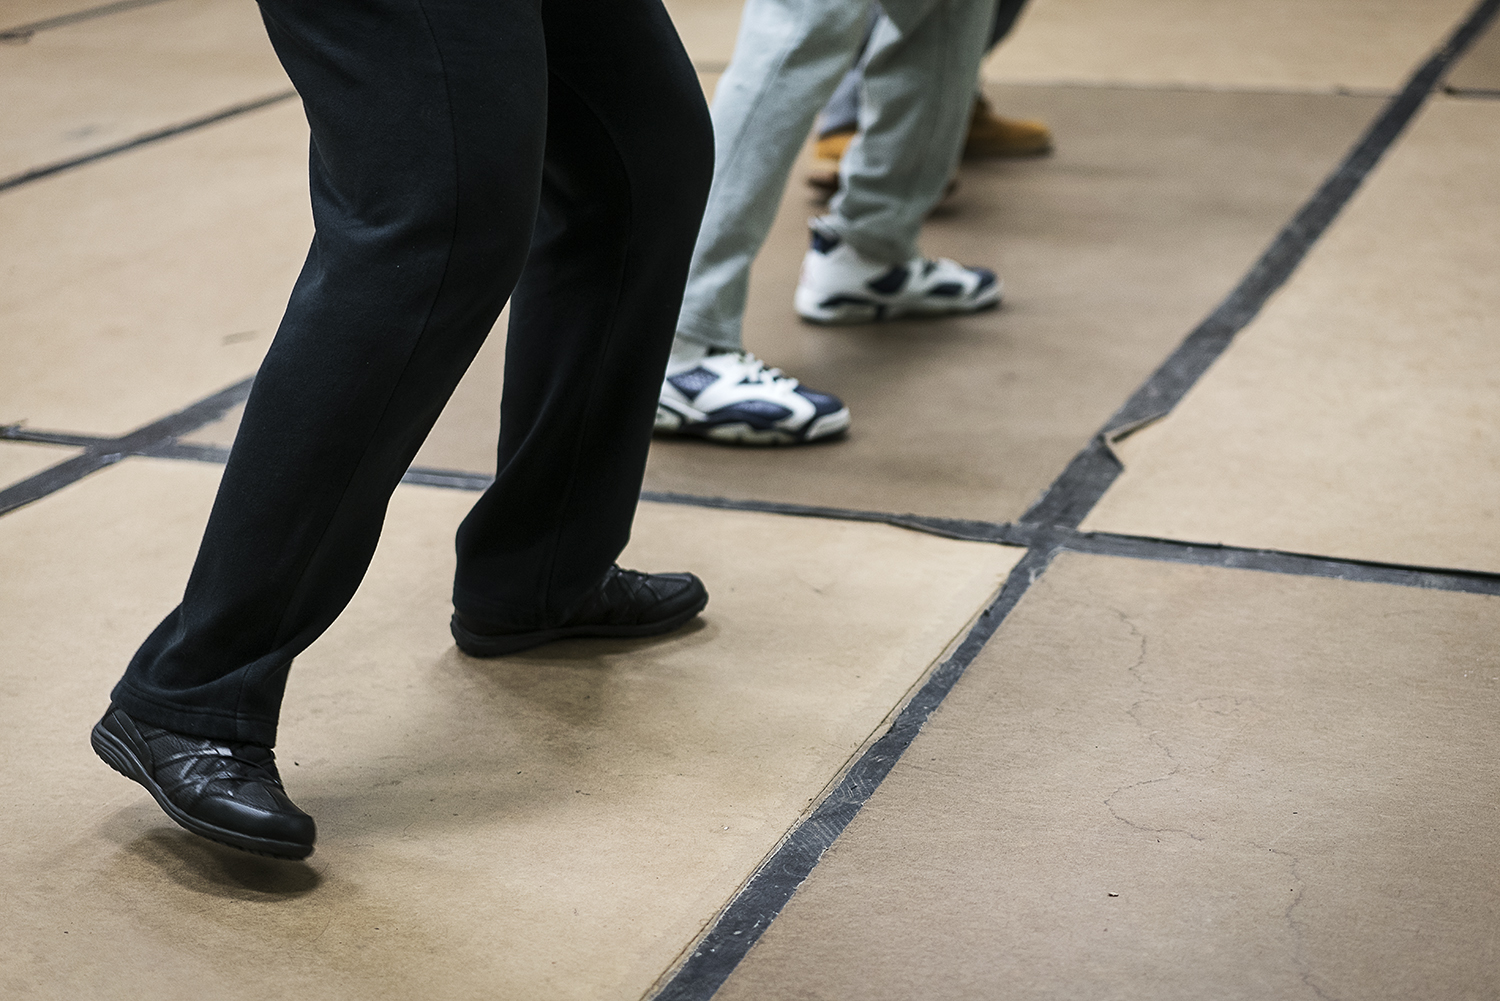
(789, 57)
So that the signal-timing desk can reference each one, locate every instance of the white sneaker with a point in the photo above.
(840, 285)
(731, 396)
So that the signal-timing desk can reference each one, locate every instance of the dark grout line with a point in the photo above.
(1027, 535)
(37, 173)
(1473, 93)
(1170, 87)
(741, 924)
(54, 478)
(1278, 561)
(19, 432)
(449, 479)
(1072, 495)
(101, 452)
(1069, 539)
(1131, 546)
(950, 528)
(173, 449)
(23, 32)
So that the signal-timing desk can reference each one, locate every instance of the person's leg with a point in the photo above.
(992, 134)
(788, 57)
(422, 224)
(593, 316)
(428, 121)
(429, 118)
(841, 113)
(989, 134)
(863, 264)
(787, 60)
(918, 96)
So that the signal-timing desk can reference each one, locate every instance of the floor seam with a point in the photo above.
(99, 452)
(21, 33)
(144, 139)
(1142, 547)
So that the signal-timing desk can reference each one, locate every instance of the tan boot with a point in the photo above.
(995, 135)
(833, 146)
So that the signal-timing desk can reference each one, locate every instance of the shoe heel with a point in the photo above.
(114, 753)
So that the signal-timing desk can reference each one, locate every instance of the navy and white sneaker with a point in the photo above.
(731, 396)
(840, 285)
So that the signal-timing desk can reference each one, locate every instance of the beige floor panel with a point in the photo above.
(1152, 209)
(555, 825)
(82, 87)
(1479, 69)
(21, 460)
(1359, 415)
(1316, 45)
(1169, 782)
(138, 284)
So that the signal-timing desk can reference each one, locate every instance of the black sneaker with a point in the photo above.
(624, 604)
(226, 792)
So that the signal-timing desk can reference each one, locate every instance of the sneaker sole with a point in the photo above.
(118, 755)
(480, 645)
(671, 423)
(857, 313)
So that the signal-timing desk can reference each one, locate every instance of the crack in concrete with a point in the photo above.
(1153, 736)
(1295, 927)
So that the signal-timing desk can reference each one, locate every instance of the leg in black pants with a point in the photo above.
(460, 149)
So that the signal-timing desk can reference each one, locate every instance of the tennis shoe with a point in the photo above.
(732, 397)
(841, 285)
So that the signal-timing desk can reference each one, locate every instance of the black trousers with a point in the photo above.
(462, 151)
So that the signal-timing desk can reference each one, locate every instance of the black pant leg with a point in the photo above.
(428, 124)
(628, 163)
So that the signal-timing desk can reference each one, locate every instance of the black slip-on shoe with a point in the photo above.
(624, 604)
(226, 792)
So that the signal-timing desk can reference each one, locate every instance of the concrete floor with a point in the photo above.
(1154, 780)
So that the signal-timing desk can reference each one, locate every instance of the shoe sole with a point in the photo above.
(118, 755)
(669, 422)
(481, 645)
(847, 314)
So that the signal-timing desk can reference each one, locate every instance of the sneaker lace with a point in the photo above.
(755, 371)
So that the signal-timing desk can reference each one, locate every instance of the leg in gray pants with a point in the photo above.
(841, 113)
(788, 59)
(919, 89)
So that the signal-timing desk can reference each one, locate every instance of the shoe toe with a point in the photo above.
(670, 595)
(823, 403)
(255, 811)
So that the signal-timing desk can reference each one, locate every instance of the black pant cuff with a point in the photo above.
(179, 719)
